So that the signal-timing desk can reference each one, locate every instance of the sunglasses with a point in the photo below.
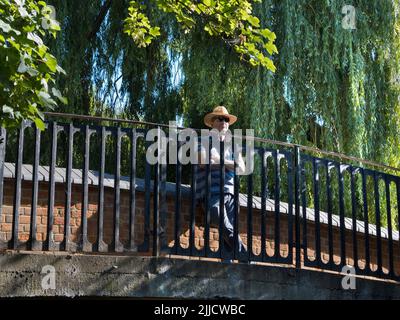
(220, 119)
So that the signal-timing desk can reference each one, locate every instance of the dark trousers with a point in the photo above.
(228, 220)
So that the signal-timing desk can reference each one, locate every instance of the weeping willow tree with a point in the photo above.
(109, 75)
(102, 46)
(334, 87)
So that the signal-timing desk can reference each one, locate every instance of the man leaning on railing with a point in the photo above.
(220, 119)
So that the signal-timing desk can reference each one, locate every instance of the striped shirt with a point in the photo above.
(215, 175)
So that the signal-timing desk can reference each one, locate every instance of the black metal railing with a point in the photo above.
(289, 193)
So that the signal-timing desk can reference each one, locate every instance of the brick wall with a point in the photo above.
(6, 219)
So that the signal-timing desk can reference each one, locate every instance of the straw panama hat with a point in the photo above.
(219, 111)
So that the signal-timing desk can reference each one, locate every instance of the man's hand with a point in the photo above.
(215, 158)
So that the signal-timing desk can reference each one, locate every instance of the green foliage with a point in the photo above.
(27, 70)
(334, 88)
(138, 25)
(231, 20)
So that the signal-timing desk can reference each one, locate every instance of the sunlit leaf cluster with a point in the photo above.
(27, 68)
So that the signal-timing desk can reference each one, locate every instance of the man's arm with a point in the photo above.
(215, 160)
(230, 164)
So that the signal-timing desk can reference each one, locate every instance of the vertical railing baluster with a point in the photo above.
(390, 229)
(277, 234)
(366, 222)
(329, 207)
(84, 243)
(144, 247)
(316, 182)
(192, 248)
(378, 225)
(49, 244)
(33, 244)
(237, 148)
(177, 245)
(17, 190)
(341, 217)
(303, 185)
(117, 245)
(208, 200)
(263, 205)
(3, 137)
(156, 194)
(156, 216)
(68, 188)
(297, 189)
(193, 210)
(290, 207)
(354, 218)
(221, 231)
(101, 246)
(249, 217)
(132, 192)
(163, 207)
(397, 181)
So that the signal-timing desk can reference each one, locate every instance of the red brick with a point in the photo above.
(58, 237)
(24, 219)
(6, 227)
(41, 211)
(7, 209)
(41, 229)
(58, 221)
(75, 213)
(214, 244)
(23, 236)
(25, 227)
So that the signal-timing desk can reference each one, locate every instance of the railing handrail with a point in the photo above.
(257, 139)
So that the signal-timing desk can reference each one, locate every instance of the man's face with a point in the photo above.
(221, 123)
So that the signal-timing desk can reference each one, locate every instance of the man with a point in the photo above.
(220, 120)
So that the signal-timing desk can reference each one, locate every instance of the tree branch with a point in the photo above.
(99, 20)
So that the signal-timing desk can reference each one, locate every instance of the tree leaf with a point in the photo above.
(57, 94)
(35, 38)
(254, 21)
(39, 124)
(60, 70)
(9, 110)
(46, 99)
(51, 62)
(155, 31)
(5, 26)
(22, 11)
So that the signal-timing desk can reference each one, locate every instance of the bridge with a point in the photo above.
(84, 191)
